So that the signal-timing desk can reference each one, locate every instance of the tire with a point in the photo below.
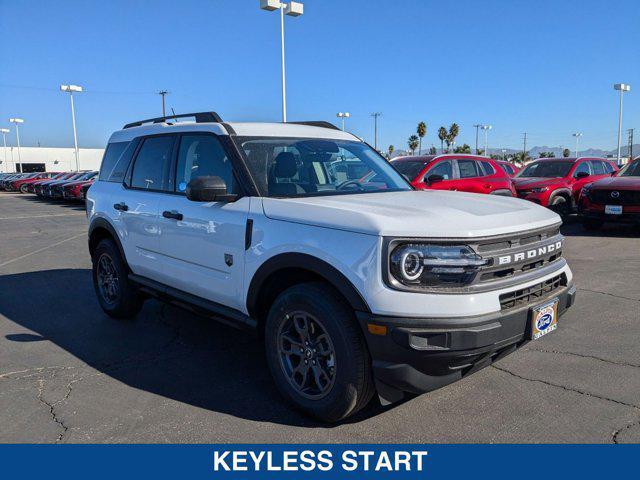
(23, 189)
(341, 383)
(560, 205)
(117, 296)
(592, 224)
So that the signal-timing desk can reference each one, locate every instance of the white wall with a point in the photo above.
(55, 159)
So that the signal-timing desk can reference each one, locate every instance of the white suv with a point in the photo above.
(305, 234)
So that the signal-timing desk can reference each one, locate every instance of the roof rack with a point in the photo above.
(201, 117)
(318, 123)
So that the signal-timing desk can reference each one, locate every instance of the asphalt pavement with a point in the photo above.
(70, 374)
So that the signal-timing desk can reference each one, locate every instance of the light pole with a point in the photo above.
(504, 154)
(623, 87)
(293, 9)
(477, 126)
(375, 116)
(71, 89)
(343, 115)
(4, 132)
(577, 135)
(17, 122)
(486, 129)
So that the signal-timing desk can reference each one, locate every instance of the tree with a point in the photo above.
(480, 151)
(463, 149)
(413, 143)
(454, 130)
(566, 152)
(390, 149)
(442, 135)
(432, 150)
(421, 131)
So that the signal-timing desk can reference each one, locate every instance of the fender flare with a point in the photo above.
(560, 191)
(106, 225)
(306, 262)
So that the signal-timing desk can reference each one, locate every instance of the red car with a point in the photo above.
(613, 199)
(465, 173)
(556, 182)
(508, 167)
(21, 185)
(74, 190)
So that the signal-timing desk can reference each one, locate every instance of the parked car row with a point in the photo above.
(555, 183)
(57, 185)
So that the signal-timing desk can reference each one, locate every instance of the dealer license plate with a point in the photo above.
(613, 209)
(544, 319)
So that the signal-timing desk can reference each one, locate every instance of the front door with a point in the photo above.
(202, 243)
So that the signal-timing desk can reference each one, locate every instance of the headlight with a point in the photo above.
(539, 189)
(425, 265)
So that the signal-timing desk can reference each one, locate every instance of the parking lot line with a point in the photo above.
(42, 216)
(13, 260)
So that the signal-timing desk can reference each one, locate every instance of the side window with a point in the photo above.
(200, 156)
(582, 167)
(468, 168)
(110, 159)
(488, 168)
(598, 168)
(444, 168)
(152, 162)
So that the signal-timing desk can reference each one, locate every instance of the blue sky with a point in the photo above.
(544, 67)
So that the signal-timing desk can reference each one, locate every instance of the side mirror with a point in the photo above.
(434, 179)
(582, 175)
(208, 189)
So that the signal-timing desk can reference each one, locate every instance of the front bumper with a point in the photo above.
(417, 355)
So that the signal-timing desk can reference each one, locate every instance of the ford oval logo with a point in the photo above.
(615, 194)
(544, 321)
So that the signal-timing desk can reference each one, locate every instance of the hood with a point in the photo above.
(534, 182)
(620, 183)
(427, 213)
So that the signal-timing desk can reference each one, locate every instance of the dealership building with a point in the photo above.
(46, 159)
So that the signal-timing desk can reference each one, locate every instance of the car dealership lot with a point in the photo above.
(69, 373)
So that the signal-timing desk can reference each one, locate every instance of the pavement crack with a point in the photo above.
(616, 433)
(559, 352)
(568, 389)
(609, 294)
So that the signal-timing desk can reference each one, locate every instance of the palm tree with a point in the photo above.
(566, 153)
(421, 131)
(442, 135)
(413, 143)
(454, 130)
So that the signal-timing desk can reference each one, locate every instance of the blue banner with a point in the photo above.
(320, 461)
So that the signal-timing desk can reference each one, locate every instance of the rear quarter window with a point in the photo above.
(116, 161)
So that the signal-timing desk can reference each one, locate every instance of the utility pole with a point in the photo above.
(524, 148)
(375, 116)
(630, 132)
(163, 93)
(477, 127)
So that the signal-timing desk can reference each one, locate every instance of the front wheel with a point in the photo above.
(23, 189)
(317, 354)
(561, 206)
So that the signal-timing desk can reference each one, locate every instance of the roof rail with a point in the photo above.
(318, 123)
(201, 117)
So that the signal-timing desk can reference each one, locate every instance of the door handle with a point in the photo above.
(123, 207)
(172, 214)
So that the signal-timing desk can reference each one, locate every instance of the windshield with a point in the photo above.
(546, 169)
(631, 170)
(409, 168)
(298, 167)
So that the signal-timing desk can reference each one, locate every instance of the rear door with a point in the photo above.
(202, 244)
(137, 203)
(471, 177)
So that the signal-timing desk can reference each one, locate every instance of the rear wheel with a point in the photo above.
(317, 354)
(117, 296)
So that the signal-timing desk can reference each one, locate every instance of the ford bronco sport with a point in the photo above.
(357, 287)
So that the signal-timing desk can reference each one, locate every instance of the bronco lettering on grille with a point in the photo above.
(529, 254)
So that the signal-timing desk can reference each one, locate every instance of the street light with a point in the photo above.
(486, 129)
(293, 9)
(4, 132)
(17, 122)
(577, 135)
(71, 89)
(623, 87)
(343, 116)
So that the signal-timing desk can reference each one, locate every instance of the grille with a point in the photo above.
(526, 296)
(626, 197)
